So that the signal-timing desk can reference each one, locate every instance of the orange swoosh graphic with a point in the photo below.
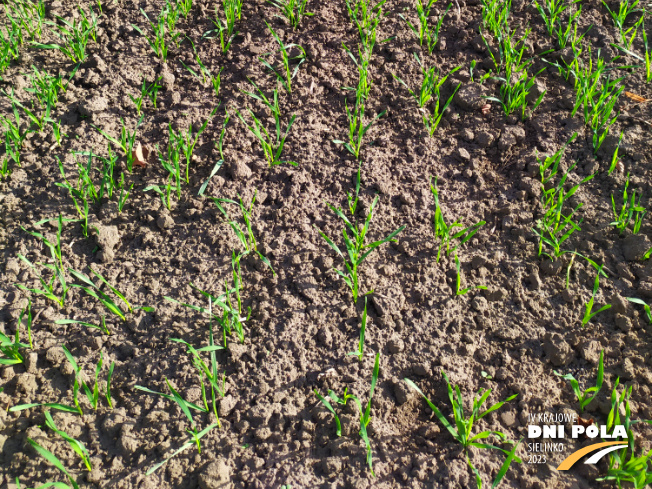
(575, 456)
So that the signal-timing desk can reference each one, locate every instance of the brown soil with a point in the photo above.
(274, 430)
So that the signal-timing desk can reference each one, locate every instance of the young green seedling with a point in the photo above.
(554, 228)
(220, 162)
(588, 307)
(216, 382)
(126, 142)
(463, 427)
(158, 42)
(226, 29)
(443, 230)
(246, 235)
(95, 291)
(124, 193)
(515, 86)
(458, 280)
(363, 327)
(76, 445)
(186, 142)
(357, 249)
(93, 395)
(74, 35)
(429, 94)
(630, 209)
(424, 32)
(51, 458)
(584, 398)
(365, 414)
(102, 326)
(272, 147)
(286, 75)
(646, 307)
(10, 349)
(292, 10)
(552, 11)
(57, 268)
(195, 438)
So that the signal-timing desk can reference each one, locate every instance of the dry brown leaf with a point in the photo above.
(636, 98)
(140, 156)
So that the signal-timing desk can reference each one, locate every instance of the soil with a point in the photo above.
(508, 338)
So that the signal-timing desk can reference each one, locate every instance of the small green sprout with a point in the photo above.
(584, 398)
(458, 280)
(463, 427)
(443, 230)
(588, 307)
(357, 249)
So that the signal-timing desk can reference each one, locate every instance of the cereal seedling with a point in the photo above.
(219, 162)
(363, 328)
(429, 94)
(27, 16)
(46, 87)
(56, 130)
(102, 326)
(185, 407)
(186, 142)
(515, 86)
(93, 395)
(355, 116)
(443, 230)
(272, 147)
(596, 94)
(158, 42)
(146, 91)
(366, 17)
(124, 194)
(554, 228)
(76, 445)
(584, 398)
(57, 269)
(646, 307)
(9, 41)
(614, 158)
(625, 8)
(424, 32)
(292, 10)
(458, 280)
(95, 291)
(10, 349)
(356, 247)
(551, 12)
(195, 440)
(549, 167)
(630, 209)
(462, 430)
(51, 458)
(246, 235)
(204, 73)
(286, 75)
(74, 35)
(226, 29)
(588, 307)
(494, 16)
(217, 382)
(357, 129)
(126, 142)
(365, 415)
(184, 7)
